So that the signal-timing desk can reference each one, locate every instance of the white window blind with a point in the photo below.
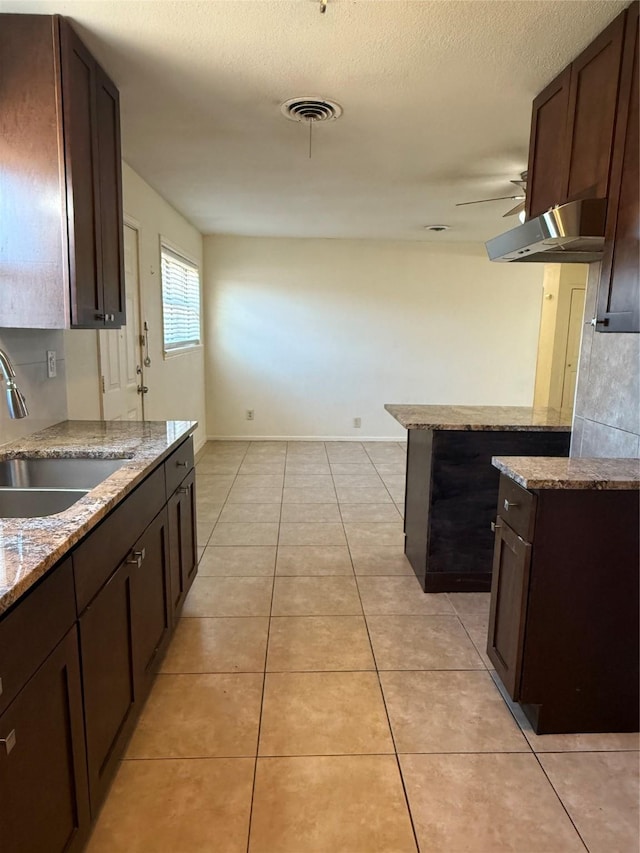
(180, 301)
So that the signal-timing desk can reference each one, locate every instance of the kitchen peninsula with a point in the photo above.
(452, 488)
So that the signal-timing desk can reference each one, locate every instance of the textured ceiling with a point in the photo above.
(436, 96)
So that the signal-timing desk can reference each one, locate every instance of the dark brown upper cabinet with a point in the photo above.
(573, 125)
(619, 289)
(61, 256)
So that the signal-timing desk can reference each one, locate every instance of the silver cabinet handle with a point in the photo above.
(183, 490)
(9, 741)
(508, 504)
(495, 526)
(138, 557)
(181, 464)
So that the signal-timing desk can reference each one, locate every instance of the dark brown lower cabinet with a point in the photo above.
(182, 537)
(564, 623)
(44, 805)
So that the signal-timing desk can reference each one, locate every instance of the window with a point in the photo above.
(180, 301)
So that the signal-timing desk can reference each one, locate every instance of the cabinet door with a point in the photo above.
(150, 600)
(80, 146)
(547, 177)
(593, 95)
(509, 591)
(108, 677)
(182, 541)
(43, 775)
(619, 290)
(110, 185)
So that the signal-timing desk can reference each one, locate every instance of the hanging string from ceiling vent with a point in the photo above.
(323, 6)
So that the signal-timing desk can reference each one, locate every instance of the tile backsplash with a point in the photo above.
(46, 398)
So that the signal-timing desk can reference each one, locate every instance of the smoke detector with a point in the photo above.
(311, 109)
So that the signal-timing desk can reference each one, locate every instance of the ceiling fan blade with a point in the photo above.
(501, 198)
(515, 210)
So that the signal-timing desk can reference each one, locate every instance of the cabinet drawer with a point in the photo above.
(517, 506)
(95, 560)
(33, 628)
(178, 466)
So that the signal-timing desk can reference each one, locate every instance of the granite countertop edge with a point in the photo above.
(558, 472)
(480, 418)
(30, 547)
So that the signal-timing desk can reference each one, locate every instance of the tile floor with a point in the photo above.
(314, 699)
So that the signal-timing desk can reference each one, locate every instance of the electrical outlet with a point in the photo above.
(51, 364)
(357, 423)
(250, 414)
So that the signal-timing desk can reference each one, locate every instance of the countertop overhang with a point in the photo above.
(29, 547)
(557, 472)
(480, 418)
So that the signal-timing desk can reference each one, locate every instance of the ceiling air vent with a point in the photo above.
(311, 109)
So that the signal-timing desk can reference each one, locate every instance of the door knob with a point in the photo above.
(142, 389)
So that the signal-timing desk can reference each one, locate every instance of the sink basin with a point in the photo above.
(34, 503)
(64, 473)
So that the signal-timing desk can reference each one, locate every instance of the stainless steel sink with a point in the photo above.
(34, 503)
(63, 473)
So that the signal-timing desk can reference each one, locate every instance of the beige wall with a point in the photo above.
(607, 411)
(176, 384)
(313, 333)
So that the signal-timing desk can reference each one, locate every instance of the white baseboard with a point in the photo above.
(304, 438)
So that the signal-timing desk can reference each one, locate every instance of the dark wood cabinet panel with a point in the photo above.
(509, 589)
(60, 184)
(108, 676)
(43, 776)
(619, 289)
(150, 600)
(182, 540)
(593, 96)
(546, 178)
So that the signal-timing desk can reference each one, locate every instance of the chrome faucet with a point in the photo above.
(15, 399)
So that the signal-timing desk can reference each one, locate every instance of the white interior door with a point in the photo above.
(573, 348)
(120, 355)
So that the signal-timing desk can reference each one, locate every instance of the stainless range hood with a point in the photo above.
(571, 233)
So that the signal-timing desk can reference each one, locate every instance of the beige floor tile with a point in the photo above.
(601, 792)
(301, 533)
(199, 716)
(200, 550)
(400, 596)
(477, 627)
(485, 804)
(245, 533)
(363, 494)
(343, 804)
(211, 481)
(217, 466)
(309, 495)
(260, 468)
(352, 469)
(176, 805)
(371, 479)
(316, 596)
(247, 561)
(308, 481)
(312, 469)
(471, 605)
(421, 642)
(394, 482)
(369, 533)
(465, 713)
(236, 596)
(369, 512)
(208, 510)
(380, 560)
(314, 643)
(311, 512)
(323, 713)
(259, 481)
(204, 531)
(400, 506)
(310, 560)
(392, 469)
(234, 513)
(255, 495)
(218, 645)
(587, 742)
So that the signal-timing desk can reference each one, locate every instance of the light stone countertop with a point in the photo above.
(481, 418)
(29, 547)
(558, 472)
